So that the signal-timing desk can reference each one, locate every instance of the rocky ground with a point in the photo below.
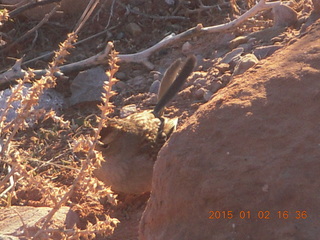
(250, 140)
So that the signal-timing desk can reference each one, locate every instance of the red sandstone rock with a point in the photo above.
(253, 151)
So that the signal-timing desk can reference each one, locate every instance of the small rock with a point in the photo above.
(154, 88)
(200, 82)
(237, 41)
(49, 100)
(284, 16)
(156, 75)
(152, 100)
(215, 86)
(245, 63)
(265, 51)
(186, 47)
(277, 39)
(187, 93)
(232, 56)
(128, 110)
(87, 86)
(121, 76)
(7, 237)
(134, 29)
(207, 95)
(247, 47)
(120, 35)
(214, 72)
(11, 224)
(223, 67)
(121, 85)
(225, 78)
(293, 40)
(199, 93)
(198, 74)
(137, 81)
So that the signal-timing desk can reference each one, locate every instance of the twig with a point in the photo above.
(64, 199)
(51, 163)
(44, 20)
(13, 6)
(6, 178)
(11, 181)
(21, 219)
(85, 16)
(100, 58)
(111, 14)
(75, 44)
(29, 6)
(34, 40)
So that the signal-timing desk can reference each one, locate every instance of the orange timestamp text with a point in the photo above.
(258, 215)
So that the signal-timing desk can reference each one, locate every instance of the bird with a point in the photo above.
(130, 145)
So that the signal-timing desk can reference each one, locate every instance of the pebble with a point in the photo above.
(265, 51)
(199, 93)
(232, 56)
(121, 85)
(186, 47)
(237, 41)
(154, 88)
(152, 100)
(207, 95)
(128, 110)
(215, 86)
(225, 78)
(121, 76)
(245, 63)
(223, 67)
(134, 29)
(200, 82)
(87, 86)
(284, 16)
(49, 99)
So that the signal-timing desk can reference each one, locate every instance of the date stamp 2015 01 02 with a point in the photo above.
(263, 215)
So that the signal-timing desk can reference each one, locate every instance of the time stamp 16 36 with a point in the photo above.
(263, 215)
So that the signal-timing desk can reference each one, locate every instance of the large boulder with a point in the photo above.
(246, 164)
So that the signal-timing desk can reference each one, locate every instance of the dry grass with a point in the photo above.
(48, 161)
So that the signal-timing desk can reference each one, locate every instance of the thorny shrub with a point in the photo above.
(22, 171)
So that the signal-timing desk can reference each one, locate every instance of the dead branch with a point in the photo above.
(100, 58)
(14, 6)
(75, 44)
(11, 171)
(29, 6)
(85, 15)
(143, 56)
(28, 33)
(13, 73)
